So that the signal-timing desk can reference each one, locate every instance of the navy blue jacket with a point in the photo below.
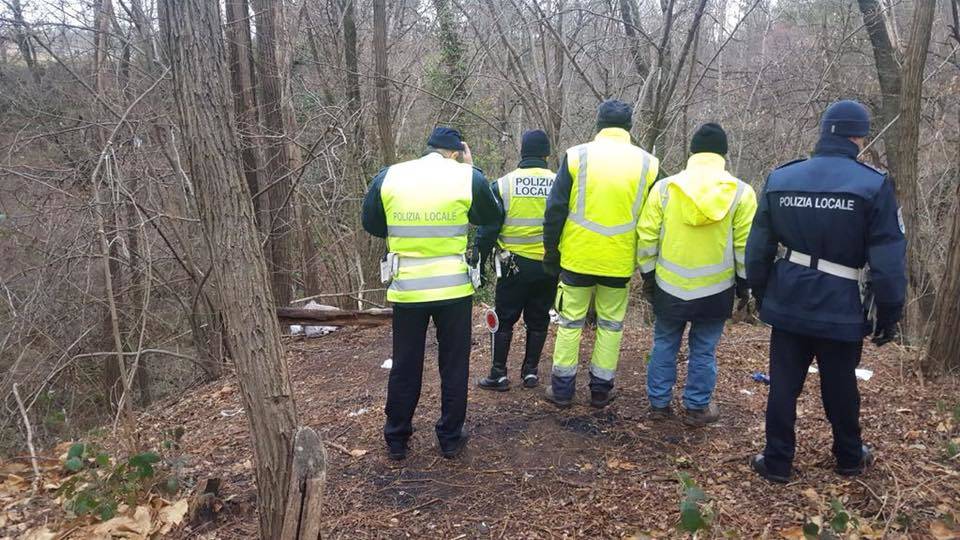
(834, 208)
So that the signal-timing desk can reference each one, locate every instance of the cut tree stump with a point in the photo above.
(308, 476)
(334, 317)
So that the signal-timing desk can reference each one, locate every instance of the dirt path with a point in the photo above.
(533, 471)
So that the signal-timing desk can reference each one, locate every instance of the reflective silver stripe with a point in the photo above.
(522, 239)
(432, 282)
(825, 266)
(580, 216)
(664, 193)
(693, 294)
(504, 185)
(603, 374)
(701, 271)
(407, 262)
(564, 371)
(648, 252)
(426, 231)
(740, 256)
(741, 271)
(567, 323)
(648, 266)
(523, 222)
(613, 326)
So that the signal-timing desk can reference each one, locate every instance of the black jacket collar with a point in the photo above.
(834, 145)
(532, 162)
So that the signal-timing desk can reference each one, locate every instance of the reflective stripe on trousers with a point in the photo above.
(580, 216)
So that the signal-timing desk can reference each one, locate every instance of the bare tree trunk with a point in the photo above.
(452, 53)
(388, 150)
(907, 179)
(193, 35)
(22, 36)
(278, 177)
(888, 74)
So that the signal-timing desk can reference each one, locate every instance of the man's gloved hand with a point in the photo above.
(649, 288)
(743, 294)
(551, 263)
(888, 315)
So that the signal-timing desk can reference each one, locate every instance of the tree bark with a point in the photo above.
(388, 150)
(194, 39)
(888, 75)
(452, 52)
(278, 172)
(907, 178)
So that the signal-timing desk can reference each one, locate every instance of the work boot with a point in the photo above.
(702, 417)
(560, 402)
(759, 466)
(497, 380)
(531, 359)
(866, 459)
(397, 452)
(660, 413)
(600, 399)
(457, 448)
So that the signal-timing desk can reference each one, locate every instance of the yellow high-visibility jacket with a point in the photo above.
(694, 227)
(524, 193)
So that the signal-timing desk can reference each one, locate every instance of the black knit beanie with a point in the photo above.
(709, 138)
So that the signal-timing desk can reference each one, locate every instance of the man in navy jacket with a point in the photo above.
(824, 227)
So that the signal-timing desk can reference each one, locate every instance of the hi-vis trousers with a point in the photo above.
(572, 304)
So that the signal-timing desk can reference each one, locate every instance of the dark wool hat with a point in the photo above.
(709, 138)
(446, 138)
(535, 143)
(614, 113)
(845, 118)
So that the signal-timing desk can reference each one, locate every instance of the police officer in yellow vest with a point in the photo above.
(691, 239)
(423, 207)
(590, 240)
(522, 286)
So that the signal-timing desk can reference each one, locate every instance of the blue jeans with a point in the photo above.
(701, 362)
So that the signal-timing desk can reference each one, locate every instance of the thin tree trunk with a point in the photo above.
(888, 75)
(21, 35)
(907, 178)
(278, 172)
(388, 150)
(193, 35)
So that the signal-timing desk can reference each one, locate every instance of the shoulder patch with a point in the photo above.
(787, 164)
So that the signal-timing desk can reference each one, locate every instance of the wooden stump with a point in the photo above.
(308, 475)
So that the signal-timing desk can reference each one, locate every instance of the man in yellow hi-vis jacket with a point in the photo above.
(692, 235)
(590, 239)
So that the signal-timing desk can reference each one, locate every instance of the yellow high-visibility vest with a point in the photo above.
(611, 177)
(426, 202)
(693, 230)
(524, 193)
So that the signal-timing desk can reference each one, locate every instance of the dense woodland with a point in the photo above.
(171, 171)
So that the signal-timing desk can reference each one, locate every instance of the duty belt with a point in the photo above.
(825, 266)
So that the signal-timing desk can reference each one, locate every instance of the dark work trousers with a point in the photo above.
(790, 358)
(453, 324)
(531, 298)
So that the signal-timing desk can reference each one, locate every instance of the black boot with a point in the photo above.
(497, 380)
(535, 341)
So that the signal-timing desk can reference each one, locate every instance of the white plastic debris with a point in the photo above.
(554, 316)
(387, 364)
(313, 331)
(746, 392)
(296, 329)
(317, 331)
(861, 373)
(358, 412)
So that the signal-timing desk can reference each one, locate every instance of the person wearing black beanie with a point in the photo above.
(691, 237)
(516, 247)
(827, 226)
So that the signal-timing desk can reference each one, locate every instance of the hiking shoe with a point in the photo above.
(397, 453)
(457, 448)
(561, 403)
(866, 459)
(759, 466)
(702, 417)
(660, 413)
(599, 400)
(531, 381)
(500, 384)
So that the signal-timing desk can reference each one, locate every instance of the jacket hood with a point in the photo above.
(705, 189)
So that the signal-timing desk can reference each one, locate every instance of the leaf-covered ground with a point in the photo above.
(532, 471)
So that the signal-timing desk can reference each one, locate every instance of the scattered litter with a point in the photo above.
(358, 412)
(813, 369)
(746, 392)
(228, 413)
(387, 364)
(317, 331)
(313, 331)
(554, 316)
(760, 377)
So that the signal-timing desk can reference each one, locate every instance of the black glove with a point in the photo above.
(551, 263)
(649, 288)
(888, 315)
(743, 294)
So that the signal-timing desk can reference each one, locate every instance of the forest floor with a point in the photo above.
(532, 471)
